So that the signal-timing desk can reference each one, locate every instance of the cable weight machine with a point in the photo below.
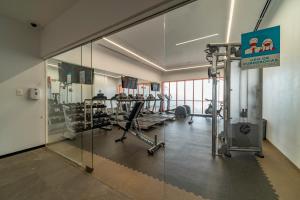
(242, 121)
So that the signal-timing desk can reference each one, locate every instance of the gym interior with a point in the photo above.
(166, 107)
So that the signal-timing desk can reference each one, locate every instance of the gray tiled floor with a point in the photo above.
(42, 175)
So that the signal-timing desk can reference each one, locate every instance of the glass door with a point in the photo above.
(69, 89)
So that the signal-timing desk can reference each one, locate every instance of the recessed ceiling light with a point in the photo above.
(230, 20)
(134, 54)
(201, 38)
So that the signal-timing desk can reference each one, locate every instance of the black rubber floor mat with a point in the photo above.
(186, 161)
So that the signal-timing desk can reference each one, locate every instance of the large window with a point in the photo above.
(173, 95)
(180, 93)
(194, 93)
(189, 94)
(207, 93)
(166, 91)
(142, 88)
(146, 90)
(198, 96)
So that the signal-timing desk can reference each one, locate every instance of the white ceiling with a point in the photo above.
(156, 39)
(41, 12)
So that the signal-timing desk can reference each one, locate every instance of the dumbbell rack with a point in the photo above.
(89, 106)
(72, 119)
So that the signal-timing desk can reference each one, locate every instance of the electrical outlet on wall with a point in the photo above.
(19, 92)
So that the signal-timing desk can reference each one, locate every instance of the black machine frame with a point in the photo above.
(132, 126)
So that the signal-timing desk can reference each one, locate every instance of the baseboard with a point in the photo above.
(291, 162)
(22, 151)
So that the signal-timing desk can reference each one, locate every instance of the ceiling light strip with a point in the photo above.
(192, 67)
(134, 54)
(97, 73)
(201, 38)
(232, 2)
(52, 65)
(153, 64)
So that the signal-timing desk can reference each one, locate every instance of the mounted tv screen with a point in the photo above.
(155, 87)
(71, 73)
(129, 82)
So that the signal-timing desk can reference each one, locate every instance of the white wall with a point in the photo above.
(107, 85)
(185, 74)
(22, 121)
(96, 16)
(109, 60)
(282, 84)
(197, 73)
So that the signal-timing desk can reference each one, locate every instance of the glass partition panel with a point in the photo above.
(70, 79)
(64, 97)
(87, 93)
(188, 142)
(116, 117)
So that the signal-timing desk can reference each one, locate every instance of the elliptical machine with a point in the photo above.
(209, 109)
(168, 111)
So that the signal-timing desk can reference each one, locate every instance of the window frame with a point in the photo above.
(185, 100)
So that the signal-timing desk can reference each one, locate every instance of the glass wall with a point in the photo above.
(69, 88)
(93, 119)
(90, 111)
(188, 140)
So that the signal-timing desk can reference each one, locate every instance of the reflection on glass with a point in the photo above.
(69, 85)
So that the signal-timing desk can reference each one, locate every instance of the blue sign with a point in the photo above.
(261, 48)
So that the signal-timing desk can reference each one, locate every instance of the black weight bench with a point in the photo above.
(132, 126)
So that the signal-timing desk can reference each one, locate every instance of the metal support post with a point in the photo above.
(227, 94)
(214, 104)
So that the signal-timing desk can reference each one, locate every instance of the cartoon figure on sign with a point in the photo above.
(253, 46)
(267, 45)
